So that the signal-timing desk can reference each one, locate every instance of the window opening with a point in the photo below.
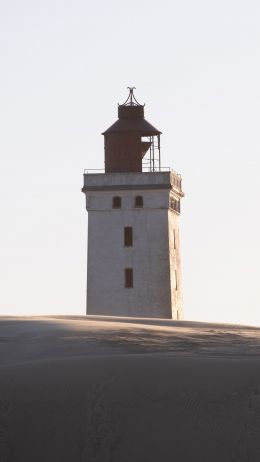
(175, 204)
(174, 240)
(128, 236)
(129, 278)
(176, 280)
(117, 202)
(139, 201)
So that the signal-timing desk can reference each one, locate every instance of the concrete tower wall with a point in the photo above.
(154, 255)
(175, 265)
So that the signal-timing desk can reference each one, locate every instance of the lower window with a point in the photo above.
(129, 279)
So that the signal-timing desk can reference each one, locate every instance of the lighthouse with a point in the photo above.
(134, 262)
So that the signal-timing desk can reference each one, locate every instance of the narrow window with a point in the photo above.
(116, 202)
(128, 236)
(139, 201)
(174, 240)
(129, 278)
(175, 205)
(176, 280)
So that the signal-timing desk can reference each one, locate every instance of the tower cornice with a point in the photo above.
(133, 181)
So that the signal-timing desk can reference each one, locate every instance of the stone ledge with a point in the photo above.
(131, 181)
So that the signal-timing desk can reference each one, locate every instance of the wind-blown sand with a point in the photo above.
(76, 389)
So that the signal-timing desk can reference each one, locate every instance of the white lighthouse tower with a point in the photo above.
(134, 265)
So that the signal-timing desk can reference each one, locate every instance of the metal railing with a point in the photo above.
(144, 170)
(176, 177)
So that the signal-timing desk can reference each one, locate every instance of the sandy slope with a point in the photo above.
(75, 389)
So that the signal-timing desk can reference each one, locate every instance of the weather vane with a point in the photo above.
(131, 100)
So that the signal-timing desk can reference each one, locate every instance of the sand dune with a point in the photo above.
(76, 389)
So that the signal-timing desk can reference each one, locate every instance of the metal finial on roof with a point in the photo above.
(131, 100)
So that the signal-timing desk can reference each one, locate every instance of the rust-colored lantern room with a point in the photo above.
(132, 144)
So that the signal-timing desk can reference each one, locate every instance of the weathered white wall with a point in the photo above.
(151, 257)
(175, 265)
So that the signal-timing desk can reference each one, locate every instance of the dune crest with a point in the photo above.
(87, 389)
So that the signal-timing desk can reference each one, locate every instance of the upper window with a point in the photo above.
(175, 204)
(139, 201)
(117, 203)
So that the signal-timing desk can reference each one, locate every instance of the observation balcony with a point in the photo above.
(166, 178)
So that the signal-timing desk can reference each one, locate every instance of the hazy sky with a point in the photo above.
(64, 66)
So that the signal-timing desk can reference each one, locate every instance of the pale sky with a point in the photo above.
(64, 66)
